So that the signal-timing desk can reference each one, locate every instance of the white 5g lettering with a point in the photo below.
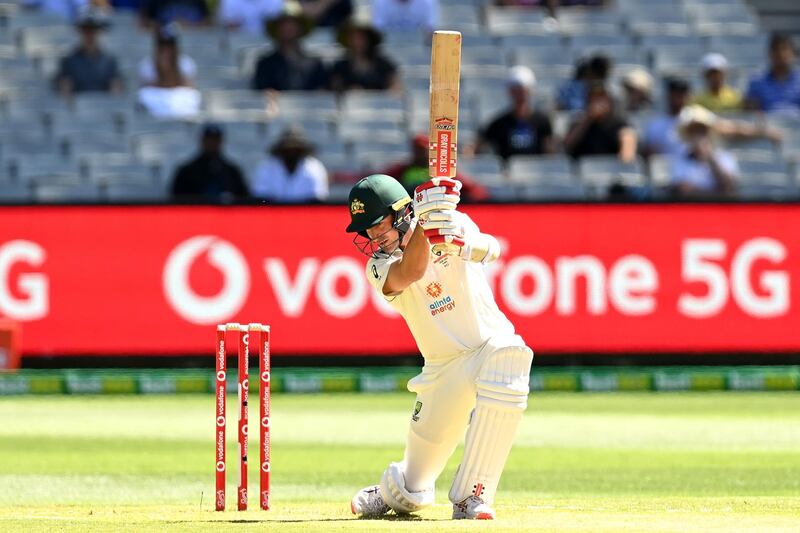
(700, 259)
(34, 287)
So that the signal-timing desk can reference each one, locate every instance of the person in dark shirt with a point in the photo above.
(289, 68)
(161, 12)
(210, 176)
(599, 130)
(522, 129)
(88, 68)
(328, 13)
(363, 66)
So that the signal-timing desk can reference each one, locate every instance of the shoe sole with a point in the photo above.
(484, 516)
(353, 508)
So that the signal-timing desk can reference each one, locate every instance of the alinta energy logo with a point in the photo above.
(442, 305)
(222, 255)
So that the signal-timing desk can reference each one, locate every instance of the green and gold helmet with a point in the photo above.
(372, 199)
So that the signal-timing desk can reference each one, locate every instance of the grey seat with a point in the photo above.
(527, 169)
(485, 168)
(14, 193)
(600, 172)
(75, 193)
(131, 193)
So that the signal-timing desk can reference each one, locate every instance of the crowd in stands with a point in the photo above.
(680, 132)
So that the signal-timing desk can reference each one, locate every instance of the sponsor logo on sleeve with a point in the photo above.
(375, 272)
(417, 409)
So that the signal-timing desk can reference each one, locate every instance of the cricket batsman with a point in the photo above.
(426, 259)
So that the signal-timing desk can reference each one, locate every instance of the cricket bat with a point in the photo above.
(444, 88)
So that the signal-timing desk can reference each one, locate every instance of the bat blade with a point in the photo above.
(444, 88)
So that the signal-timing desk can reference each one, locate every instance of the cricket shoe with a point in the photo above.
(368, 502)
(472, 508)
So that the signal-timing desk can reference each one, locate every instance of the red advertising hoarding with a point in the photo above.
(578, 278)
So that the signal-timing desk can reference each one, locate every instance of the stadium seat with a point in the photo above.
(133, 193)
(73, 193)
(524, 169)
(599, 173)
(484, 168)
(507, 20)
(553, 192)
(12, 193)
(369, 105)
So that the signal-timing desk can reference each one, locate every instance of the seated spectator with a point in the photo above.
(69, 9)
(572, 94)
(405, 15)
(154, 13)
(637, 84)
(328, 13)
(166, 47)
(291, 173)
(661, 132)
(363, 66)
(415, 172)
(88, 68)
(700, 168)
(778, 89)
(171, 94)
(718, 96)
(247, 15)
(600, 130)
(289, 68)
(210, 176)
(522, 129)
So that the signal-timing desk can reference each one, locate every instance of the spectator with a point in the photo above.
(415, 172)
(405, 15)
(247, 15)
(363, 66)
(289, 68)
(171, 94)
(778, 89)
(572, 95)
(210, 176)
(328, 13)
(661, 132)
(161, 12)
(600, 130)
(521, 129)
(166, 49)
(291, 173)
(69, 9)
(718, 96)
(700, 168)
(637, 84)
(88, 68)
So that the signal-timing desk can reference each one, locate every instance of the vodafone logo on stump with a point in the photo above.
(206, 310)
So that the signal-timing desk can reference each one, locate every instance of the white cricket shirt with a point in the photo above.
(451, 310)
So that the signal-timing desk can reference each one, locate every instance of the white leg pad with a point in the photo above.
(396, 496)
(502, 397)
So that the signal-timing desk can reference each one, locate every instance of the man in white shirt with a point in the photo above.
(291, 173)
(701, 168)
(476, 373)
(405, 15)
(248, 15)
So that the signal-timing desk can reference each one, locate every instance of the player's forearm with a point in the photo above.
(414, 262)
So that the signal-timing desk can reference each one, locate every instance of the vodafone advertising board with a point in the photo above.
(584, 278)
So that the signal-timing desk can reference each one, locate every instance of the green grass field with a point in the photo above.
(583, 462)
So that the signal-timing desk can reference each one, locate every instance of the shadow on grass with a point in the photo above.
(385, 518)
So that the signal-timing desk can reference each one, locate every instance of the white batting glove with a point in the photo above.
(437, 194)
(442, 223)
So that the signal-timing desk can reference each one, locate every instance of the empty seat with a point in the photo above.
(13, 193)
(509, 20)
(599, 173)
(76, 193)
(539, 169)
(487, 169)
(130, 193)
(567, 191)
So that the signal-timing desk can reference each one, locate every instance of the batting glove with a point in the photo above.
(437, 194)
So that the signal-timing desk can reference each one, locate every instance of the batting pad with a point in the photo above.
(502, 397)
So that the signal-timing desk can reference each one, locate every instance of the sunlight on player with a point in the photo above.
(426, 259)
